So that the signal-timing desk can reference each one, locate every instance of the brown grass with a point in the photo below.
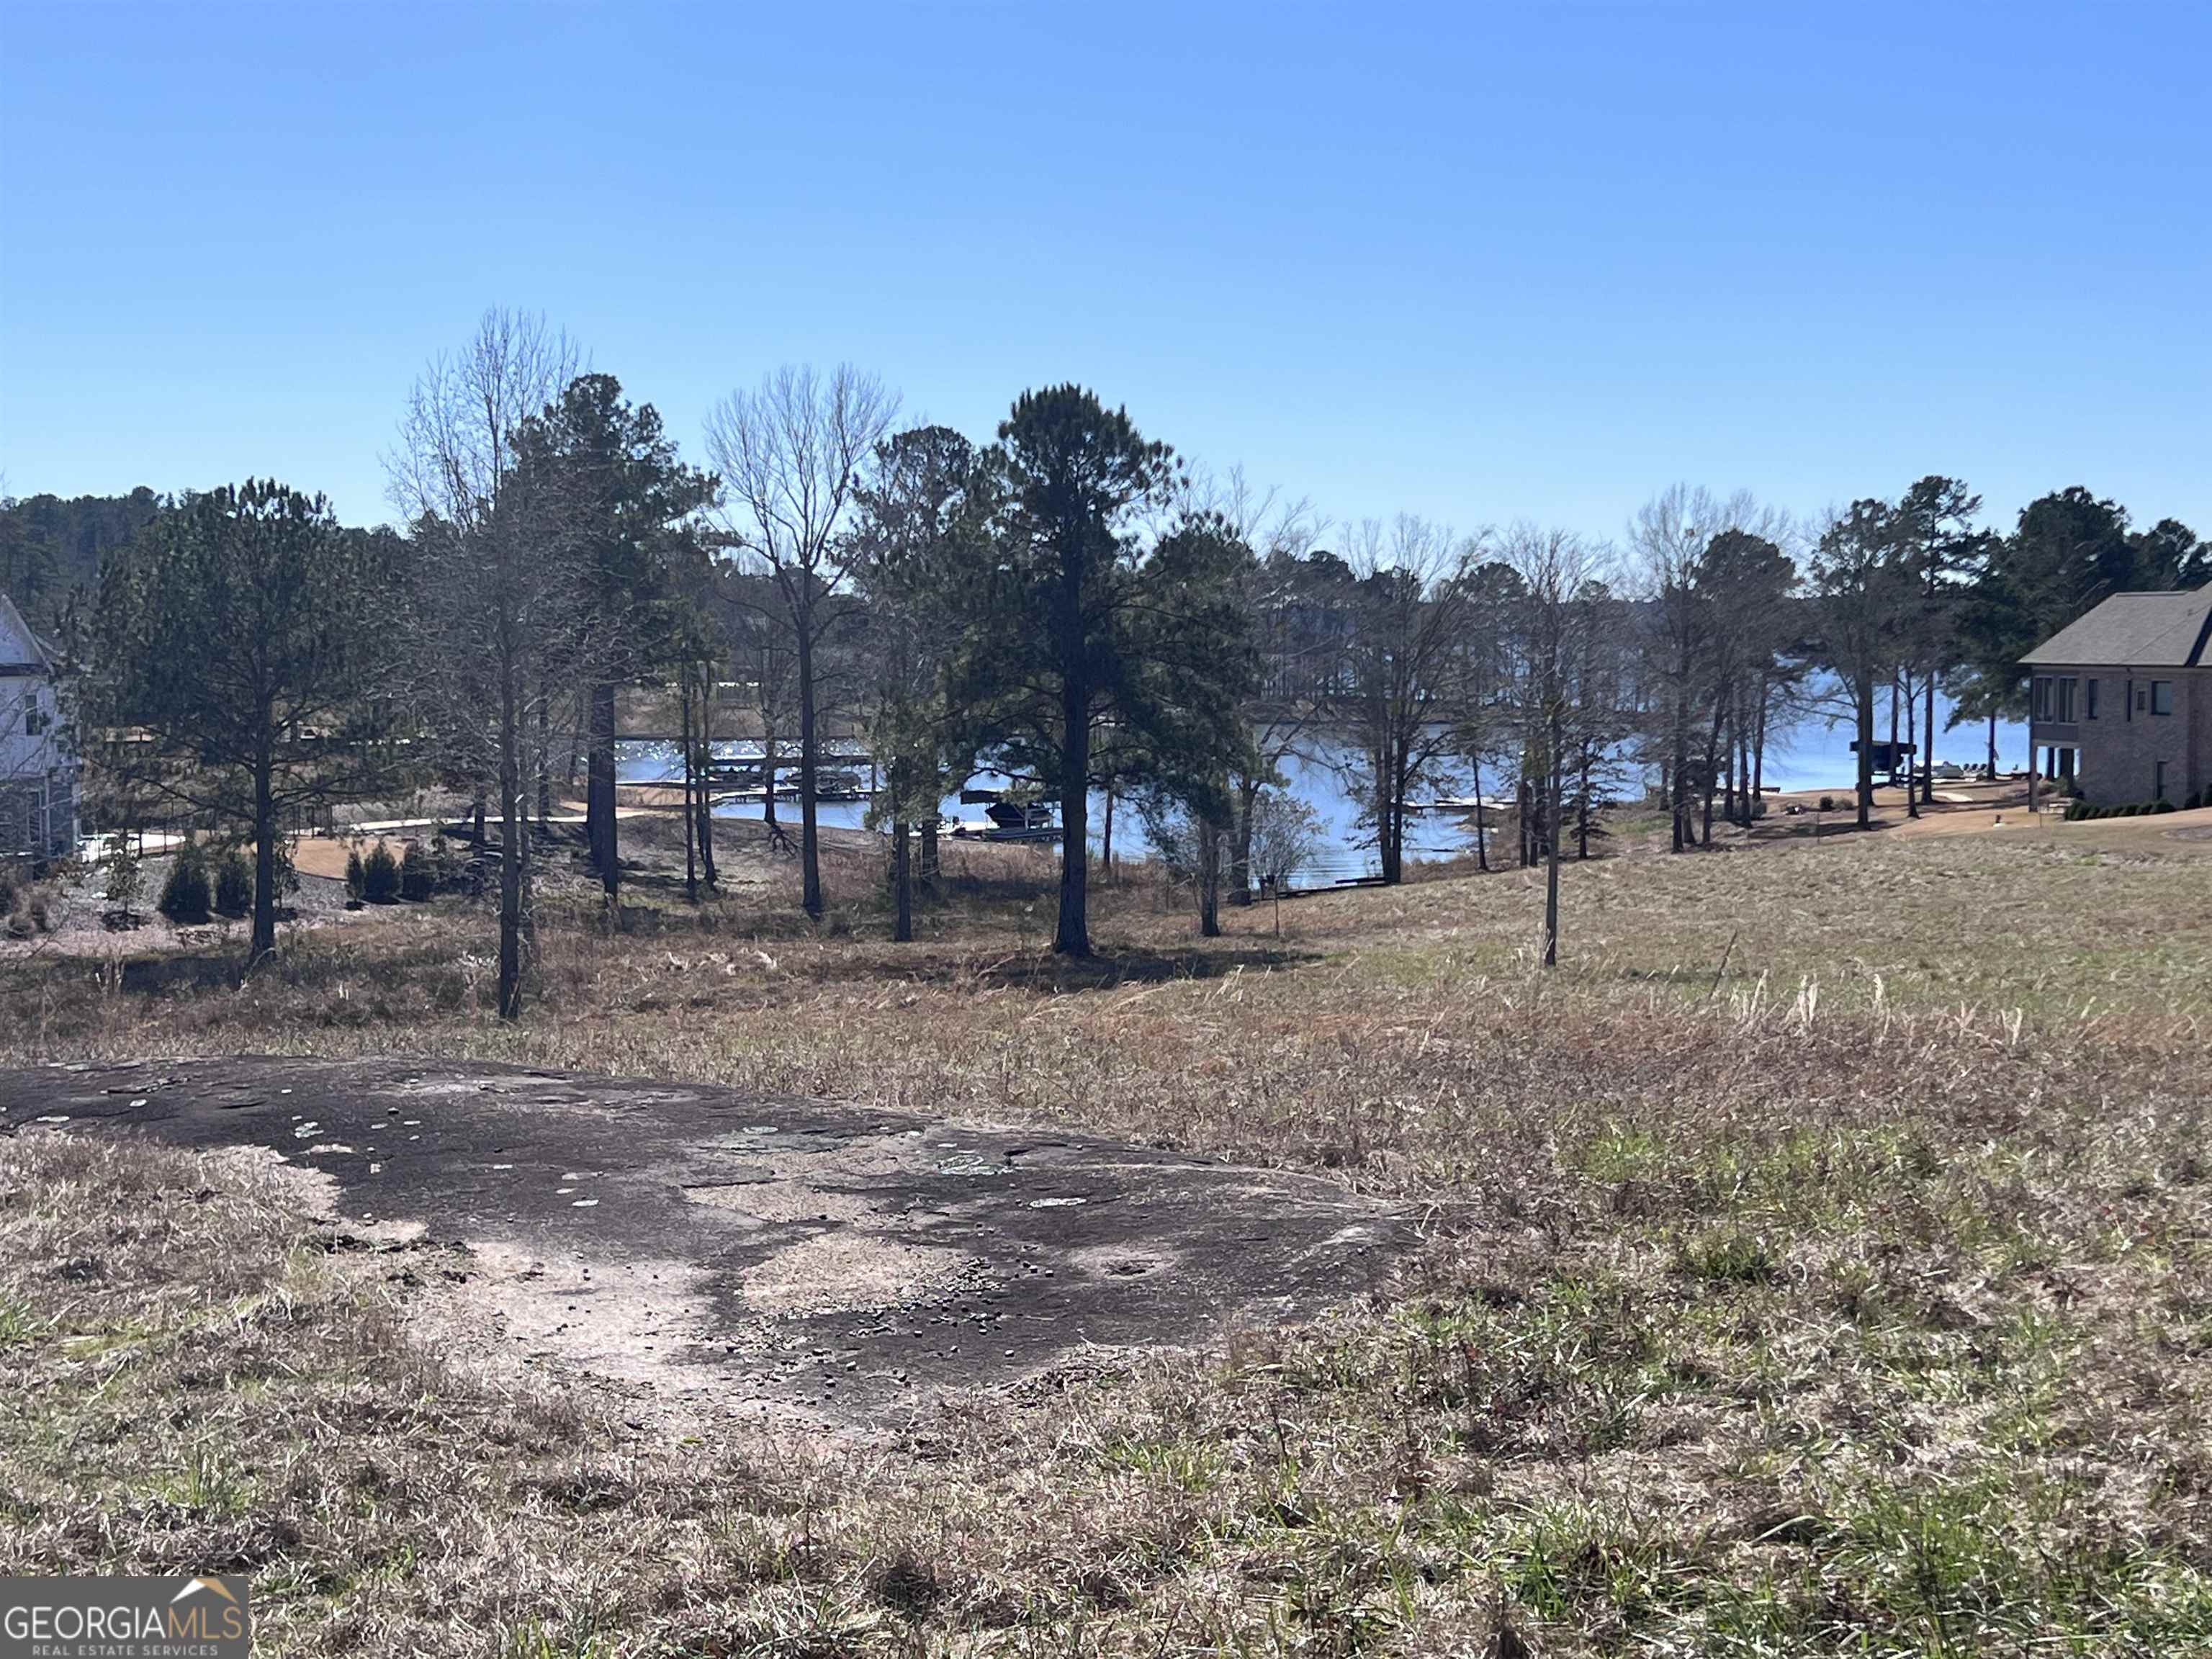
(1827, 1273)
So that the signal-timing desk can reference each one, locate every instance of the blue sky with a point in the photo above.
(1478, 263)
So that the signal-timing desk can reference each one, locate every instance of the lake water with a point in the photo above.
(1813, 753)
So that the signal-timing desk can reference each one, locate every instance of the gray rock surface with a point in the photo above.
(774, 1254)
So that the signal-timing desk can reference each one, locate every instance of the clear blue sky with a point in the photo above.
(1480, 263)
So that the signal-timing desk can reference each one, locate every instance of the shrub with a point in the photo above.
(356, 874)
(124, 879)
(2163, 806)
(184, 894)
(233, 884)
(379, 875)
(418, 876)
(1827, 803)
(27, 906)
(2076, 811)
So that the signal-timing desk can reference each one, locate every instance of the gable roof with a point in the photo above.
(2135, 630)
(20, 650)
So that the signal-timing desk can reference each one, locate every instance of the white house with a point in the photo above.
(37, 766)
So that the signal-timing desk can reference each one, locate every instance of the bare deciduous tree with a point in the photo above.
(1410, 600)
(789, 453)
(500, 620)
(1668, 539)
(1281, 719)
(1556, 569)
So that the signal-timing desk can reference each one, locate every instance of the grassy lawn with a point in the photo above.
(1821, 1261)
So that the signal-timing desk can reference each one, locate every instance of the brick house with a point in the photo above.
(38, 767)
(2121, 699)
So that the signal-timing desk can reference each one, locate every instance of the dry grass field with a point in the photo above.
(1820, 1261)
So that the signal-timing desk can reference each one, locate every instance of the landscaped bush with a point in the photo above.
(126, 879)
(233, 884)
(25, 906)
(379, 875)
(418, 875)
(356, 875)
(30, 909)
(186, 894)
(1827, 803)
(2164, 806)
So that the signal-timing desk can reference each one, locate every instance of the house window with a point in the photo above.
(2090, 711)
(2142, 696)
(35, 720)
(2158, 779)
(2066, 685)
(2161, 697)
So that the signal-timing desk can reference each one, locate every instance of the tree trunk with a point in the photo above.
(1928, 738)
(1759, 745)
(1993, 746)
(1893, 733)
(1551, 846)
(810, 864)
(1680, 766)
(929, 847)
(1071, 937)
(264, 857)
(1713, 766)
(1911, 771)
(1481, 840)
(1865, 790)
(1583, 810)
(703, 811)
(1390, 849)
(1106, 841)
(599, 791)
(690, 804)
(1524, 817)
(1209, 879)
(901, 885)
(544, 760)
(510, 844)
(1240, 843)
(1729, 775)
(768, 774)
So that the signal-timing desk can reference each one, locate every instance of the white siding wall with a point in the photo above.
(37, 773)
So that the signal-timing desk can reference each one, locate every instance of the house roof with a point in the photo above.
(2135, 630)
(21, 652)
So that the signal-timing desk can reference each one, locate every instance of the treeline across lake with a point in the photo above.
(1067, 604)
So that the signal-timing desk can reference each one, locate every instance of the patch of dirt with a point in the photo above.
(848, 1273)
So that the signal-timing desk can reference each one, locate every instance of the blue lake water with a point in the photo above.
(1813, 753)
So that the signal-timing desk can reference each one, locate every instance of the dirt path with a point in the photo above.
(770, 1255)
